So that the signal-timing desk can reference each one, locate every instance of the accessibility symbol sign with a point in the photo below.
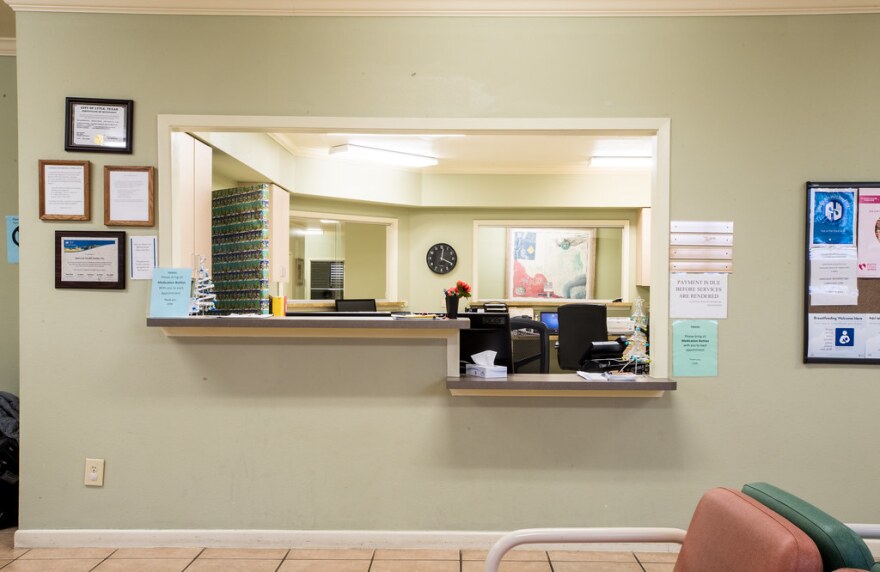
(12, 239)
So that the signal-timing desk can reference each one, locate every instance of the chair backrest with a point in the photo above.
(356, 305)
(839, 546)
(580, 324)
(543, 355)
(731, 532)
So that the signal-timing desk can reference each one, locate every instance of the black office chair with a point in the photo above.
(579, 325)
(356, 305)
(488, 331)
(523, 323)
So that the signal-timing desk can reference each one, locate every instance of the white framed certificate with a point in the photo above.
(128, 196)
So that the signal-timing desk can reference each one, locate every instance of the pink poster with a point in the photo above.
(869, 233)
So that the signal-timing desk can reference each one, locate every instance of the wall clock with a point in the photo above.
(441, 258)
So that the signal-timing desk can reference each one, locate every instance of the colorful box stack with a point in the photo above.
(240, 249)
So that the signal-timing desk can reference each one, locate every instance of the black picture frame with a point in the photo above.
(868, 288)
(73, 270)
(94, 125)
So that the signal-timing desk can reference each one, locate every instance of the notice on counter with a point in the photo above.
(695, 348)
(170, 293)
(697, 295)
(12, 236)
(869, 233)
(833, 276)
(844, 336)
(143, 257)
(832, 217)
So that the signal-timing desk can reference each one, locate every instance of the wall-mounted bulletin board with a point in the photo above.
(842, 273)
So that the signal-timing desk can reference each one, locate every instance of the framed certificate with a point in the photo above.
(128, 196)
(98, 125)
(89, 259)
(64, 190)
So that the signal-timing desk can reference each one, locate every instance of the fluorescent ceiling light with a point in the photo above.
(329, 221)
(622, 162)
(307, 231)
(383, 156)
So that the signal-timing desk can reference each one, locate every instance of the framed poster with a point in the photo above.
(841, 280)
(549, 262)
(128, 196)
(64, 190)
(89, 259)
(98, 125)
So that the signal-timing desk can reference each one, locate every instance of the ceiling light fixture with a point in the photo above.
(307, 231)
(383, 156)
(622, 162)
(329, 221)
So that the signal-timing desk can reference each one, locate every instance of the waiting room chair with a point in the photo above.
(543, 356)
(579, 325)
(729, 532)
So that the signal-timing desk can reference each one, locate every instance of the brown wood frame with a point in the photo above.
(121, 245)
(151, 198)
(87, 215)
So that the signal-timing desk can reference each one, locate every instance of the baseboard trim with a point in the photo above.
(25, 538)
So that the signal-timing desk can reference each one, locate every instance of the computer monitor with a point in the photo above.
(551, 320)
(488, 331)
(356, 305)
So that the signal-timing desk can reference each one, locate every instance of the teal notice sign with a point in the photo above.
(695, 348)
(12, 235)
(170, 294)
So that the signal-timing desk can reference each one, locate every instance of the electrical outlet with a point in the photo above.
(94, 473)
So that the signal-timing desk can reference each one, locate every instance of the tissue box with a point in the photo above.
(485, 370)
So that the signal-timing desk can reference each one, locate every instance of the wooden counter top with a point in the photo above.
(556, 385)
(317, 322)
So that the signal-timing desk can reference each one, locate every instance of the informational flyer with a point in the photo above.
(843, 335)
(170, 294)
(832, 217)
(695, 348)
(869, 233)
(12, 239)
(833, 276)
(697, 295)
(143, 257)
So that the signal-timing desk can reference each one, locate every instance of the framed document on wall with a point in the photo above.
(128, 196)
(64, 190)
(89, 259)
(98, 125)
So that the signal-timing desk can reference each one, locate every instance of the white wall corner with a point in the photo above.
(7, 47)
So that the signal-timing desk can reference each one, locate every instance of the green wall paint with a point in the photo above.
(364, 260)
(344, 435)
(9, 273)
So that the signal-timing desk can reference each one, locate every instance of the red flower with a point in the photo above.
(460, 290)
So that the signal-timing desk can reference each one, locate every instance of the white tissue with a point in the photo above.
(486, 358)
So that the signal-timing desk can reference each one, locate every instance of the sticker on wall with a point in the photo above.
(12, 238)
(695, 348)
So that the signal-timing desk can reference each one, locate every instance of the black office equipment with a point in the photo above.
(356, 305)
(551, 320)
(579, 326)
(488, 331)
(541, 330)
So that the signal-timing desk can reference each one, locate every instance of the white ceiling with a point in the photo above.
(481, 152)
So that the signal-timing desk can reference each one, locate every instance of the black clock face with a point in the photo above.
(441, 258)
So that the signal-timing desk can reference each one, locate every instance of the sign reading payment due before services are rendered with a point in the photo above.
(697, 295)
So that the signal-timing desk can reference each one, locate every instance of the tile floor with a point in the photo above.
(315, 560)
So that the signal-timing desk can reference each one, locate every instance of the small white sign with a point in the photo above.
(701, 226)
(143, 257)
(698, 296)
(833, 276)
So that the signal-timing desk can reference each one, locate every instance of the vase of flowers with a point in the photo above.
(453, 295)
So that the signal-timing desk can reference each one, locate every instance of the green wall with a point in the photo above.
(343, 435)
(8, 206)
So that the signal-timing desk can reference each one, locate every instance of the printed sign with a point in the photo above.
(698, 295)
(12, 239)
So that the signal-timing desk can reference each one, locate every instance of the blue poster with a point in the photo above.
(834, 216)
(171, 291)
(12, 237)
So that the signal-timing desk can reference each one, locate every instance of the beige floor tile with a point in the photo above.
(513, 555)
(325, 566)
(596, 567)
(255, 553)
(330, 554)
(4, 563)
(50, 553)
(406, 554)
(156, 553)
(658, 567)
(413, 566)
(143, 565)
(663, 557)
(54, 565)
(477, 566)
(12, 552)
(233, 565)
(590, 556)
